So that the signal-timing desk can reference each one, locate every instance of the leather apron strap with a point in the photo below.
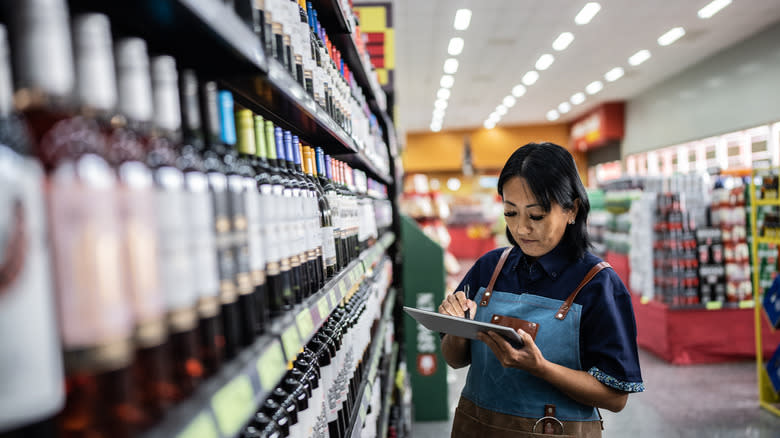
(489, 291)
(564, 309)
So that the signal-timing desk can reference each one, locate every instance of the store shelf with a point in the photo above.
(365, 390)
(767, 202)
(384, 417)
(222, 406)
(769, 240)
(329, 11)
(771, 407)
(360, 160)
(202, 34)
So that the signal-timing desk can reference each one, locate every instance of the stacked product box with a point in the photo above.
(641, 236)
(712, 272)
(729, 214)
(675, 262)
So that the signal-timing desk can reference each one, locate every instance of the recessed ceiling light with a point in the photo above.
(577, 98)
(671, 36)
(713, 8)
(489, 125)
(462, 19)
(531, 77)
(564, 107)
(544, 62)
(455, 46)
(518, 90)
(438, 113)
(552, 115)
(509, 101)
(440, 104)
(501, 110)
(594, 87)
(447, 81)
(614, 74)
(639, 57)
(443, 93)
(563, 41)
(587, 13)
(451, 66)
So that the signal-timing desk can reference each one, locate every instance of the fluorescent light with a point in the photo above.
(587, 13)
(455, 46)
(440, 104)
(594, 87)
(443, 93)
(518, 90)
(438, 113)
(614, 74)
(509, 101)
(501, 110)
(451, 66)
(563, 41)
(489, 125)
(447, 81)
(494, 117)
(564, 107)
(531, 77)
(639, 57)
(713, 8)
(435, 128)
(671, 36)
(544, 62)
(577, 98)
(552, 115)
(462, 19)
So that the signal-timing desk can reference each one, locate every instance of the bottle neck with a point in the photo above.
(134, 81)
(192, 128)
(165, 92)
(95, 73)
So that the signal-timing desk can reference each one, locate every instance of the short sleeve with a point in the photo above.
(608, 344)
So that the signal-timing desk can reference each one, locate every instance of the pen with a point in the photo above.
(466, 291)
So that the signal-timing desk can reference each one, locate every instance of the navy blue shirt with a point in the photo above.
(608, 348)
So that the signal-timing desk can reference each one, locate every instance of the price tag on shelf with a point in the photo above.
(233, 405)
(291, 342)
(305, 323)
(746, 304)
(271, 366)
(201, 427)
(714, 305)
(323, 306)
(342, 288)
(334, 298)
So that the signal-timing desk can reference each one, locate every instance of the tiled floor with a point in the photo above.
(686, 402)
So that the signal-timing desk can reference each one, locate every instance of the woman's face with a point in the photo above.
(536, 231)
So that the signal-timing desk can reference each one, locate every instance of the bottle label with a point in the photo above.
(140, 248)
(252, 207)
(30, 363)
(328, 246)
(222, 236)
(173, 231)
(202, 242)
(84, 215)
(239, 232)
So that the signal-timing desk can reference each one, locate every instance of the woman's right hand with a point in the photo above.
(456, 304)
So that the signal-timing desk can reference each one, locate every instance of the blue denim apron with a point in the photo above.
(516, 392)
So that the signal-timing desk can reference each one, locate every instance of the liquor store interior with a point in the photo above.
(214, 212)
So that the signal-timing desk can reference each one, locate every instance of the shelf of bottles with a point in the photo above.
(276, 56)
(165, 250)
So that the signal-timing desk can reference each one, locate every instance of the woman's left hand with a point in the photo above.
(528, 358)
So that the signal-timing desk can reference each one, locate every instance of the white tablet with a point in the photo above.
(463, 327)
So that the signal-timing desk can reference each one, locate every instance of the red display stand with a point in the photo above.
(470, 241)
(693, 336)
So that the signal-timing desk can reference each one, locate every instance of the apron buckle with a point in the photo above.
(548, 422)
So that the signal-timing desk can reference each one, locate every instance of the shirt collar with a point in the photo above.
(553, 263)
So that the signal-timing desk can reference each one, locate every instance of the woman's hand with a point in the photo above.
(527, 358)
(457, 304)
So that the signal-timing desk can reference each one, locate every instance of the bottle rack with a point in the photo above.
(767, 397)
(209, 36)
(225, 403)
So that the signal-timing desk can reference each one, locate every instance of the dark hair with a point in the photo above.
(551, 175)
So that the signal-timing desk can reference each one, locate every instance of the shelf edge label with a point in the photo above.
(233, 405)
(271, 366)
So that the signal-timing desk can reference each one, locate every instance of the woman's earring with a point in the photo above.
(571, 222)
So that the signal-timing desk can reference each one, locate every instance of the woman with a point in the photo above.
(584, 354)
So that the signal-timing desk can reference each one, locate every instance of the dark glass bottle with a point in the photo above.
(316, 215)
(33, 384)
(265, 208)
(218, 162)
(326, 216)
(278, 268)
(248, 163)
(299, 279)
(303, 212)
(84, 218)
(201, 211)
(288, 224)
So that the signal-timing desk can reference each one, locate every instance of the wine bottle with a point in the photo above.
(201, 210)
(32, 378)
(214, 157)
(286, 222)
(246, 147)
(327, 216)
(94, 307)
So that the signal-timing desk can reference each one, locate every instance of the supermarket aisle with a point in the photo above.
(693, 401)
